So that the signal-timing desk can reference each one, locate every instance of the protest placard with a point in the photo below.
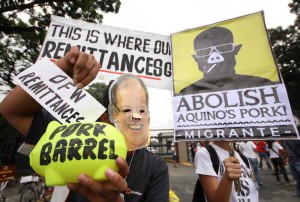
(55, 91)
(118, 50)
(227, 85)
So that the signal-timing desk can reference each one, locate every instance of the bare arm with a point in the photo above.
(18, 107)
(219, 192)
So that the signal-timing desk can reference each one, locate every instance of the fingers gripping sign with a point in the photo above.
(82, 67)
(67, 62)
(237, 184)
(85, 70)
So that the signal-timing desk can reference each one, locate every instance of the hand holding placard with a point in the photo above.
(83, 68)
(57, 93)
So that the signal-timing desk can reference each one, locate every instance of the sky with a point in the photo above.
(170, 16)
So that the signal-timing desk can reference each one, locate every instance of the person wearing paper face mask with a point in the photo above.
(129, 111)
(28, 117)
(31, 120)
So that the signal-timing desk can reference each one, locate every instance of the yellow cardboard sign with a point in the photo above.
(254, 58)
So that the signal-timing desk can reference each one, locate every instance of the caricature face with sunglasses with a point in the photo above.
(215, 53)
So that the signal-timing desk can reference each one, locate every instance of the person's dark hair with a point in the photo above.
(270, 142)
(214, 35)
(106, 95)
(105, 103)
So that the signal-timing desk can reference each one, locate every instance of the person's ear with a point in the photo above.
(237, 49)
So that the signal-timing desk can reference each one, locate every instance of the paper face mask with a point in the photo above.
(128, 110)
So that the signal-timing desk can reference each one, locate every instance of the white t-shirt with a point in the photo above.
(275, 146)
(247, 148)
(204, 166)
(174, 151)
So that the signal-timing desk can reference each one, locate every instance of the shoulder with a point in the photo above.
(147, 166)
(198, 86)
(254, 78)
(241, 144)
(43, 116)
(187, 90)
(42, 119)
(274, 144)
(253, 145)
(203, 152)
(203, 163)
(150, 160)
(153, 167)
(253, 81)
(277, 144)
(206, 153)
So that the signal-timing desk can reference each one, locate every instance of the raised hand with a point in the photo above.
(82, 67)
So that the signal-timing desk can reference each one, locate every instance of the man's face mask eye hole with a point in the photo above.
(129, 111)
(126, 110)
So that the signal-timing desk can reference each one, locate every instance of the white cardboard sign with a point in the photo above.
(57, 93)
(118, 50)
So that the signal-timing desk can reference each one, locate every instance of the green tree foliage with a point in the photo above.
(286, 47)
(24, 23)
(98, 91)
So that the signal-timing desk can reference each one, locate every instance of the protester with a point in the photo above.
(278, 158)
(28, 117)
(263, 154)
(248, 148)
(293, 152)
(174, 155)
(129, 111)
(219, 186)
